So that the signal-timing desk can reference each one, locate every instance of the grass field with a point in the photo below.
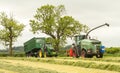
(59, 65)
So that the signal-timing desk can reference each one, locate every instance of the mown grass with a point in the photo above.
(84, 64)
(23, 69)
(105, 59)
(79, 63)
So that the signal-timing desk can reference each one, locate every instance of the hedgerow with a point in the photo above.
(112, 50)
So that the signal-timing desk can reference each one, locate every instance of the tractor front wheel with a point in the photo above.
(40, 53)
(99, 55)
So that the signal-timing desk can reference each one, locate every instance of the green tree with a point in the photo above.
(10, 30)
(51, 20)
(85, 28)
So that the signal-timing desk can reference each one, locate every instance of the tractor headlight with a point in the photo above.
(89, 51)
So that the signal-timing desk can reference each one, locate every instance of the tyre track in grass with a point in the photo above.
(55, 67)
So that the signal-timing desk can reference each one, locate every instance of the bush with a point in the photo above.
(14, 55)
(19, 55)
(62, 53)
(3, 55)
(112, 50)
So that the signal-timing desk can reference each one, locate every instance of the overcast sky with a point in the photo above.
(89, 12)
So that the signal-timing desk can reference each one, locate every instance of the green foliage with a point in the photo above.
(10, 30)
(14, 55)
(113, 50)
(85, 28)
(62, 53)
(3, 55)
(49, 19)
(9, 24)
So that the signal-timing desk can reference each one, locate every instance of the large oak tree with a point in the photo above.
(51, 20)
(10, 29)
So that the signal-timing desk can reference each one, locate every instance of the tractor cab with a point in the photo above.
(50, 50)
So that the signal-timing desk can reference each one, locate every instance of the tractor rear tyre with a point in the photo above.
(83, 54)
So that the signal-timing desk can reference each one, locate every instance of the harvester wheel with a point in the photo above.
(83, 54)
(40, 53)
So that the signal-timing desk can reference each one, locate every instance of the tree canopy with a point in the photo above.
(10, 29)
(51, 20)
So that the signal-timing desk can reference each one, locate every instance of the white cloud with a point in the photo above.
(92, 13)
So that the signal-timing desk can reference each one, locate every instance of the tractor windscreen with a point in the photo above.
(96, 42)
(79, 38)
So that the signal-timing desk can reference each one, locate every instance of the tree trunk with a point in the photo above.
(10, 42)
(57, 46)
(10, 47)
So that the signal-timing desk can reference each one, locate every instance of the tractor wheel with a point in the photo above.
(40, 53)
(83, 54)
(99, 55)
(45, 55)
(89, 56)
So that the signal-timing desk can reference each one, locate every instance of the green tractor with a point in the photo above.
(38, 47)
(89, 47)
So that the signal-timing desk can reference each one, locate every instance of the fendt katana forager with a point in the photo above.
(86, 47)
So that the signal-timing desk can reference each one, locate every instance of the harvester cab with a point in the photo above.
(78, 38)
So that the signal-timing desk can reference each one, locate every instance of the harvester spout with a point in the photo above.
(106, 24)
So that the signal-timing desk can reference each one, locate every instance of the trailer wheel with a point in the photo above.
(83, 54)
(40, 53)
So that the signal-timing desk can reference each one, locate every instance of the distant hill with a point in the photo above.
(66, 47)
(15, 49)
(18, 49)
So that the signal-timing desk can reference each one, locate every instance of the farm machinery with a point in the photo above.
(87, 47)
(39, 47)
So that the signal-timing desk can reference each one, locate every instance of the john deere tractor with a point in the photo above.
(87, 47)
(38, 47)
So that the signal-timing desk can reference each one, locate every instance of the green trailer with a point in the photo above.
(38, 47)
